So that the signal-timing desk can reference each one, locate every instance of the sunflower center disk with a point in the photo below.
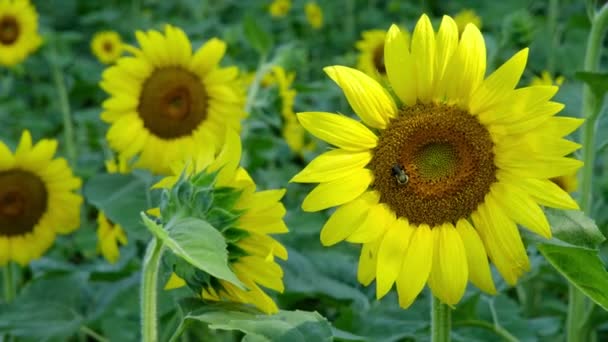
(173, 103)
(447, 156)
(108, 46)
(379, 59)
(23, 201)
(9, 30)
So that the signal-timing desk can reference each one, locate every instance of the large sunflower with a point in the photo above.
(251, 250)
(167, 103)
(37, 199)
(434, 184)
(18, 31)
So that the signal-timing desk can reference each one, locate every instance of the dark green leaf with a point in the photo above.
(256, 36)
(598, 82)
(574, 228)
(287, 326)
(121, 197)
(40, 319)
(582, 267)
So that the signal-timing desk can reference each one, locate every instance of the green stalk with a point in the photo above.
(495, 328)
(149, 284)
(262, 70)
(64, 106)
(92, 334)
(9, 283)
(440, 321)
(180, 330)
(579, 305)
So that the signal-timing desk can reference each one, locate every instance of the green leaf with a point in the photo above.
(574, 228)
(121, 197)
(598, 82)
(582, 267)
(39, 319)
(287, 326)
(198, 243)
(259, 39)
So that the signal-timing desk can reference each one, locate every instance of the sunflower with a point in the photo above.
(371, 53)
(545, 78)
(166, 102)
(279, 8)
(107, 46)
(18, 31)
(314, 15)
(436, 182)
(110, 234)
(250, 247)
(37, 199)
(465, 17)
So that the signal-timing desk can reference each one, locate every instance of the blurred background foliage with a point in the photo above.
(72, 289)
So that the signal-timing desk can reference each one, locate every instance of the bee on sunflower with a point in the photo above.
(436, 181)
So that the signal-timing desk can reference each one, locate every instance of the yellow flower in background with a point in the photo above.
(279, 8)
(467, 16)
(371, 53)
(37, 199)
(252, 250)
(107, 46)
(167, 102)
(314, 15)
(294, 134)
(545, 78)
(434, 187)
(109, 234)
(568, 183)
(18, 31)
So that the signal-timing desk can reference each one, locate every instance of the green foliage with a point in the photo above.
(574, 228)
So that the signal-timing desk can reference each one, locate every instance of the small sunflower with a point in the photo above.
(107, 46)
(18, 31)
(37, 199)
(371, 53)
(167, 102)
(465, 17)
(251, 249)
(434, 186)
(314, 15)
(545, 78)
(279, 8)
(110, 234)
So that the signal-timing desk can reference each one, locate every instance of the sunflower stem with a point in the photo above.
(440, 321)
(262, 70)
(149, 284)
(9, 283)
(578, 305)
(64, 106)
(553, 14)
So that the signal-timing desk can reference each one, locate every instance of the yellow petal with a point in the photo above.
(332, 165)
(502, 241)
(347, 218)
(447, 42)
(391, 254)
(373, 227)
(544, 191)
(501, 81)
(400, 66)
(477, 259)
(424, 54)
(228, 159)
(174, 282)
(450, 272)
(208, 56)
(367, 262)
(368, 99)
(338, 191)
(466, 69)
(416, 265)
(338, 130)
(539, 167)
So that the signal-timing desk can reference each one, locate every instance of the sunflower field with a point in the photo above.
(301, 170)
